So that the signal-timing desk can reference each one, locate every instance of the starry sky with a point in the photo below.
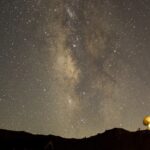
(74, 68)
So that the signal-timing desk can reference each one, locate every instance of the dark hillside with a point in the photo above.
(115, 139)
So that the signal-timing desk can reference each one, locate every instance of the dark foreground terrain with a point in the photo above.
(115, 139)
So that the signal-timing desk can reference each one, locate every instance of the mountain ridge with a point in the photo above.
(114, 139)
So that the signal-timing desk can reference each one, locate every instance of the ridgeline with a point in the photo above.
(114, 139)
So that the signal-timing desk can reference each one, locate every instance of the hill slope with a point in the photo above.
(115, 139)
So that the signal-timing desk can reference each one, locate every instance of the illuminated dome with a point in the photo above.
(146, 122)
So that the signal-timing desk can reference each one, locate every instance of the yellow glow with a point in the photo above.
(146, 122)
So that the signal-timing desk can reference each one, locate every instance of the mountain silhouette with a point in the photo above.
(114, 139)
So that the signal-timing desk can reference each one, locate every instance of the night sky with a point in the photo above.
(74, 68)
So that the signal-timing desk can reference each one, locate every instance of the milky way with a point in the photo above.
(74, 68)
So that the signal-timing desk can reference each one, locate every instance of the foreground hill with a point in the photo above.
(115, 139)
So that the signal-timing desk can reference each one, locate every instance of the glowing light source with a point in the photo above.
(146, 122)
